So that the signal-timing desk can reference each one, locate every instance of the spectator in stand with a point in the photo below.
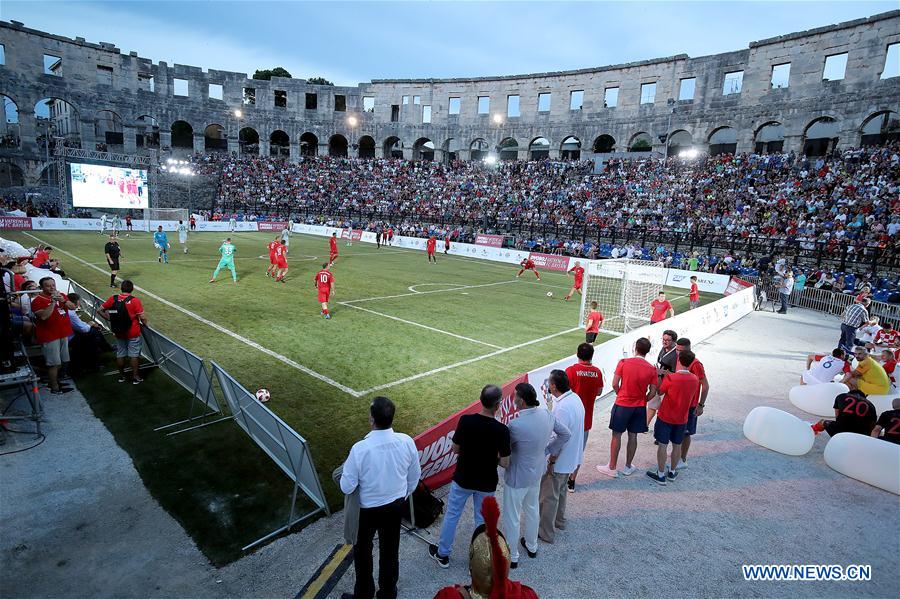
(868, 376)
(481, 442)
(635, 383)
(866, 333)
(53, 329)
(384, 466)
(529, 434)
(888, 425)
(125, 314)
(86, 343)
(787, 286)
(823, 369)
(853, 413)
(586, 382)
(886, 338)
(678, 390)
(564, 457)
(889, 363)
(854, 316)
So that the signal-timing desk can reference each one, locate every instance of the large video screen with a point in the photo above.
(95, 186)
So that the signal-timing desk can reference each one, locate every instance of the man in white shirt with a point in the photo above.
(565, 455)
(823, 369)
(384, 466)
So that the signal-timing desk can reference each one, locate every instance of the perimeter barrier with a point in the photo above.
(828, 301)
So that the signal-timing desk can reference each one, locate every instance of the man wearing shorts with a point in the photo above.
(53, 329)
(697, 405)
(853, 413)
(125, 314)
(113, 253)
(586, 382)
(823, 369)
(666, 363)
(592, 326)
(694, 294)
(324, 283)
(578, 271)
(635, 382)
(678, 389)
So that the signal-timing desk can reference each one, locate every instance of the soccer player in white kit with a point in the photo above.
(116, 223)
(286, 238)
(182, 235)
(102, 224)
(349, 235)
(232, 224)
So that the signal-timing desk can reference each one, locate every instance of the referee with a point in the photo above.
(113, 253)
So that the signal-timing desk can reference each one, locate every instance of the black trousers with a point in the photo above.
(384, 520)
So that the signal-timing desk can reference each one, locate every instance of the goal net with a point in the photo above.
(623, 290)
(175, 214)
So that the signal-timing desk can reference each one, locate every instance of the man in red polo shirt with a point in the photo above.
(661, 307)
(678, 390)
(52, 329)
(697, 404)
(635, 383)
(41, 257)
(586, 382)
(125, 314)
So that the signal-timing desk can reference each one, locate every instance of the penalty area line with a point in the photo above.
(466, 362)
(221, 329)
(384, 297)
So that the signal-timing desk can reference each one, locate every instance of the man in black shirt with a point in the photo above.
(853, 413)
(481, 442)
(665, 363)
(889, 422)
(113, 252)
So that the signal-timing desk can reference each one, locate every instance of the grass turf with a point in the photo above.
(470, 308)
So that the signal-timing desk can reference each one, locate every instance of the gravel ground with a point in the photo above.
(78, 522)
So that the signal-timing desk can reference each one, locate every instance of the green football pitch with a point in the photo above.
(428, 336)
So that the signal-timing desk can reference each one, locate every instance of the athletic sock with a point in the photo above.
(325, 312)
(112, 280)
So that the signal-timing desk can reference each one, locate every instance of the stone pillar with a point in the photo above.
(464, 155)
(793, 143)
(165, 138)
(129, 143)
(88, 139)
(554, 153)
(263, 147)
(745, 141)
(323, 149)
(407, 153)
(233, 145)
(199, 142)
(440, 155)
(849, 138)
(522, 154)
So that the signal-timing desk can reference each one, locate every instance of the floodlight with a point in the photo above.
(490, 159)
(238, 113)
(498, 119)
(351, 121)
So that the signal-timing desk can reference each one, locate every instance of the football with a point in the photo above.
(262, 395)
(549, 294)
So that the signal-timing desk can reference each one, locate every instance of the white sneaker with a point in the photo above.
(628, 470)
(681, 465)
(605, 469)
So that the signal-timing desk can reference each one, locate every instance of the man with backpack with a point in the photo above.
(126, 315)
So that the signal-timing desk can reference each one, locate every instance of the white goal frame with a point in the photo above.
(155, 214)
(628, 307)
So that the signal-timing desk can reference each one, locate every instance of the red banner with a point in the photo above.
(550, 262)
(735, 285)
(15, 223)
(437, 461)
(495, 241)
(271, 225)
(357, 234)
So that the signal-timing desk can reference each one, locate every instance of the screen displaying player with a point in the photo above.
(95, 186)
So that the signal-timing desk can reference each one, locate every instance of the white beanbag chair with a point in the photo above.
(882, 403)
(779, 431)
(817, 399)
(867, 459)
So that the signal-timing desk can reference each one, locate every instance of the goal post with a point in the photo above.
(623, 290)
(156, 214)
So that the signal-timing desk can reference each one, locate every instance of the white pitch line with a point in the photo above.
(222, 329)
(466, 362)
(423, 326)
(384, 297)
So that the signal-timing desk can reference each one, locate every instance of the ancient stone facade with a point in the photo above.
(735, 102)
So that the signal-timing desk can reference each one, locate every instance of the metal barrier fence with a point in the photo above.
(830, 302)
(280, 442)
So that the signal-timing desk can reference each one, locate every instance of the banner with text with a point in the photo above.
(550, 261)
(706, 281)
(736, 284)
(495, 241)
(15, 223)
(271, 225)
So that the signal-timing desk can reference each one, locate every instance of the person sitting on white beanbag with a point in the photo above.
(889, 424)
(822, 369)
(853, 413)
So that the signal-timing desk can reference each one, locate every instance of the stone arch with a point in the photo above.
(11, 175)
(820, 136)
(248, 141)
(214, 139)
(679, 141)
(604, 144)
(366, 147)
(423, 149)
(182, 135)
(337, 145)
(309, 144)
(508, 148)
(722, 140)
(279, 143)
(393, 147)
(61, 117)
(539, 148)
(640, 142)
(880, 128)
(108, 130)
(570, 148)
(147, 135)
(479, 149)
(451, 148)
(769, 138)
(10, 128)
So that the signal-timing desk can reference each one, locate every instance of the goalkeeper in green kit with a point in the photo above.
(227, 250)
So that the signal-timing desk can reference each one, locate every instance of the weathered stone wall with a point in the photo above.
(850, 101)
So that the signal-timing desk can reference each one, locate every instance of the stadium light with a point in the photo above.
(689, 154)
(498, 119)
(352, 121)
(490, 159)
(238, 114)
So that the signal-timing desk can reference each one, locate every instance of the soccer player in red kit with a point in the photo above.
(332, 249)
(528, 264)
(324, 283)
(694, 295)
(273, 262)
(662, 308)
(593, 324)
(390, 235)
(578, 271)
(281, 265)
(430, 246)
(447, 244)
(586, 381)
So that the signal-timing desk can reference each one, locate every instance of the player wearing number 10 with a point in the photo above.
(324, 283)
(227, 250)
